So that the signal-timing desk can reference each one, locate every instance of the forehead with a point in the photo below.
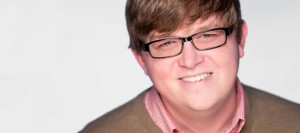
(187, 28)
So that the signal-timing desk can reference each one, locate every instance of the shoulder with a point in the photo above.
(130, 117)
(259, 98)
(268, 112)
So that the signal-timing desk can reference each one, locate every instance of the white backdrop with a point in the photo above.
(65, 62)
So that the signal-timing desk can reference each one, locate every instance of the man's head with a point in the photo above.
(165, 16)
(195, 79)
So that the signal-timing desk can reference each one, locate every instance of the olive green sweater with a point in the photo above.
(265, 113)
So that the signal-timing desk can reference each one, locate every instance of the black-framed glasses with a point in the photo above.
(204, 40)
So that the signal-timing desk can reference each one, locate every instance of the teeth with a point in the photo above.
(196, 78)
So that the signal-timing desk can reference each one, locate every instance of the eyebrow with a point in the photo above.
(211, 25)
(156, 35)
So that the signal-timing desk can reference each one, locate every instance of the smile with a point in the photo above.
(197, 78)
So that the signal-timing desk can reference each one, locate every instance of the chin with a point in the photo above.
(202, 105)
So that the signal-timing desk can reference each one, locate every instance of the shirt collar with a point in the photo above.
(163, 119)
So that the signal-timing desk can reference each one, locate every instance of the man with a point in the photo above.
(190, 49)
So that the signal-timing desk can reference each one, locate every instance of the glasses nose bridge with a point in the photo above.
(186, 39)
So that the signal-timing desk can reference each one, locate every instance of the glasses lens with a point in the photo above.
(209, 39)
(165, 47)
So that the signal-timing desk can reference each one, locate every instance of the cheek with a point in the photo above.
(159, 70)
(227, 58)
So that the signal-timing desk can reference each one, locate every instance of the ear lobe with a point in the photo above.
(243, 38)
(140, 59)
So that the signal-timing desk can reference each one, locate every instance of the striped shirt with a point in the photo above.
(164, 121)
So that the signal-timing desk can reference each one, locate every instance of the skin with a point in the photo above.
(194, 106)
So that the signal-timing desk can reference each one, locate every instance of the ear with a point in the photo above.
(243, 38)
(140, 59)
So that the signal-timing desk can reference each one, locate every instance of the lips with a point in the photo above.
(196, 78)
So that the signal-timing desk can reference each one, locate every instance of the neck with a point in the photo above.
(215, 119)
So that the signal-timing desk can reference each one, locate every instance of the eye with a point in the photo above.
(208, 35)
(167, 43)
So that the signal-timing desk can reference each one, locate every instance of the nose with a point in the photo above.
(190, 56)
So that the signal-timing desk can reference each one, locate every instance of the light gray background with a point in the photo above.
(65, 62)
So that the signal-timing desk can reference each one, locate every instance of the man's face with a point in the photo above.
(179, 79)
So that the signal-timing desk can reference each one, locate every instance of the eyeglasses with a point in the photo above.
(204, 40)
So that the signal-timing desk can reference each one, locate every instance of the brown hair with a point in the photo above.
(144, 16)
